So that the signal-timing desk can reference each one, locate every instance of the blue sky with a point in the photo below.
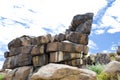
(40, 17)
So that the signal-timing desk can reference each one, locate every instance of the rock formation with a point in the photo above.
(63, 72)
(64, 48)
(41, 50)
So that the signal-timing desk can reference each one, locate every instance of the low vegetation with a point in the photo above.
(101, 75)
(96, 68)
(1, 77)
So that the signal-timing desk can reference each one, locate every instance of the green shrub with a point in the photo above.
(103, 76)
(96, 68)
(1, 77)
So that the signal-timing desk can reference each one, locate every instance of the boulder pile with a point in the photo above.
(65, 48)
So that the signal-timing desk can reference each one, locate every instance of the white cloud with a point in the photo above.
(92, 45)
(114, 47)
(1, 64)
(111, 19)
(105, 51)
(47, 14)
(100, 31)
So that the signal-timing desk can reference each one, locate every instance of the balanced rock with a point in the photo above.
(62, 72)
(82, 23)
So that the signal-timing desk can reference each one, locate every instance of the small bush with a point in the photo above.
(1, 77)
(103, 76)
(96, 68)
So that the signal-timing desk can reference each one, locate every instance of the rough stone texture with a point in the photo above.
(10, 75)
(20, 73)
(6, 54)
(38, 50)
(117, 58)
(82, 23)
(90, 60)
(18, 42)
(17, 61)
(77, 38)
(20, 50)
(62, 72)
(60, 37)
(42, 40)
(112, 68)
(40, 60)
(66, 47)
(102, 58)
(118, 50)
(63, 56)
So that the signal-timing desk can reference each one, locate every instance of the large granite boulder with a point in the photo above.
(112, 70)
(21, 73)
(112, 67)
(117, 58)
(62, 72)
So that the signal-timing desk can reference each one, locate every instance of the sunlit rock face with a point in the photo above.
(65, 48)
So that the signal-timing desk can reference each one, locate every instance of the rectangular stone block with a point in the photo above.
(20, 41)
(17, 61)
(73, 62)
(56, 56)
(40, 60)
(60, 46)
(63, 56)
(38, 50)
(77, 38)
(24, 60)
(44, 39)
(20, 50)
(66, 47)
(75, 55)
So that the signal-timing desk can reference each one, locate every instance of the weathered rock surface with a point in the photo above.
(21, 73)
(82, 23)
(65, 48)
(102, 58)
(77, 38)
(62, 72)
(18, 42)
(117, 58)
(17, 61)
(113, 67)
(118, 50)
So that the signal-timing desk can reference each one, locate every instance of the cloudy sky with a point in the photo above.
(39, 17)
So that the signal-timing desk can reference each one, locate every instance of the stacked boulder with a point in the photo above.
(65, 48)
